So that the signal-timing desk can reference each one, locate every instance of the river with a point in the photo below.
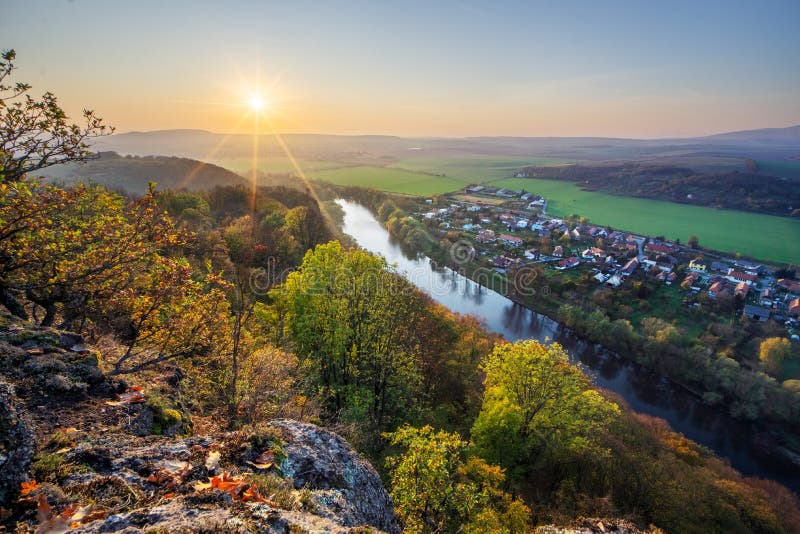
(643, 390)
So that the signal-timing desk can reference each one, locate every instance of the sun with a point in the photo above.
(256, 103)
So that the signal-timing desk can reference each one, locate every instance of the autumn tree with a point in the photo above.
(436, 488)
(35, 134)
(537, 408)
(693, 242)
(773, 351)
(352, 321)
(66, 250)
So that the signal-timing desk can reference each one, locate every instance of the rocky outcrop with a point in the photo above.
(345, 484)
(592, 526)
(16, 444)
(79, 442)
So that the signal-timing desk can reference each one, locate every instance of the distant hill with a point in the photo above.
(133, 173)
(779, 147)
(790, 135)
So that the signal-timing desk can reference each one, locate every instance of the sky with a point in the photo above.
(643, 68)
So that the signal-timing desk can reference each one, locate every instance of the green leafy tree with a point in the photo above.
(352, 321)
(435, 488)
(537, 408)
(773, 351)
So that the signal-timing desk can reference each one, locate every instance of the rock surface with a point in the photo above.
(592, 526)
(66, 426)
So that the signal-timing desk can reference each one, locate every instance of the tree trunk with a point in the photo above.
(11, 303)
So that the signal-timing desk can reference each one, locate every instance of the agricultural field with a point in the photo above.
(472, 169)
(273, 165)
(762, 236)
(390, 179)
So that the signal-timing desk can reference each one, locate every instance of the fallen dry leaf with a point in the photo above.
(129, 397)
(27, 487)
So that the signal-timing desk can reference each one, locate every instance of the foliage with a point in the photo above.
(436, 489)
(773, 351)
(37, 133)
(537, 409)
(352, 322)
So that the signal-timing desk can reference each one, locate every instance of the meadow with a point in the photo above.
(391, 179)
(761, 236)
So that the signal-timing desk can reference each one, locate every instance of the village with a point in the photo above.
(511, 229)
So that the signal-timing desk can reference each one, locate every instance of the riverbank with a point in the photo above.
(644, 390)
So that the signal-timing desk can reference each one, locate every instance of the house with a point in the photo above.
(766, 297)
(671, 277)
(756, 313)
(692, 278)
(719, 267)
(505, 261)
(575, 234)
(474, 208)
(742, 289)
(475, 189)
(630, 267)
(510, 240)
(536, 204)
(532, 254)
(485, 236)
(568, 263)
(794, 308)
(600, 277)
(614, 281)
(522, 224)
(659, 248)
(698, 265)
(558, 252)
(469, 226)
(749, 267)
(792, 286)
(716, 288)
(666, 263)
(506, 217)
(593, 253)
(527, 196)
(737, 276)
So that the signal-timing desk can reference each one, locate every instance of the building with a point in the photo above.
(698, 266)
(716, 288)
(742, 289)
(532, 254)
(737, 276)
(593, 253)
(630, 267)
(485, 236)
(659, 248)
(794, 308)
(522, 224)
(475, 189)
(756, 313)
(792, 286)
(510, 240)
(558, 252)
(568, 263)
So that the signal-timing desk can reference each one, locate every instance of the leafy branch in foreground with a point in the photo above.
(35, 134)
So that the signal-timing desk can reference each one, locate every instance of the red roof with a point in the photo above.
(659, 248)
(511, 238)
(742, 276)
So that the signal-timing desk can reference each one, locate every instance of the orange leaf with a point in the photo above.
(169, 495)
(28, 487)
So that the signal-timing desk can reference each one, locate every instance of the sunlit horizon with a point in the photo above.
(453, 69)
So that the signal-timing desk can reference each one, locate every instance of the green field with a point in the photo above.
(389, 179)
(753, 234)
(473, 169)
(275, 165)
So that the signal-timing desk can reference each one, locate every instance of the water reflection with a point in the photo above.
(643, 390)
